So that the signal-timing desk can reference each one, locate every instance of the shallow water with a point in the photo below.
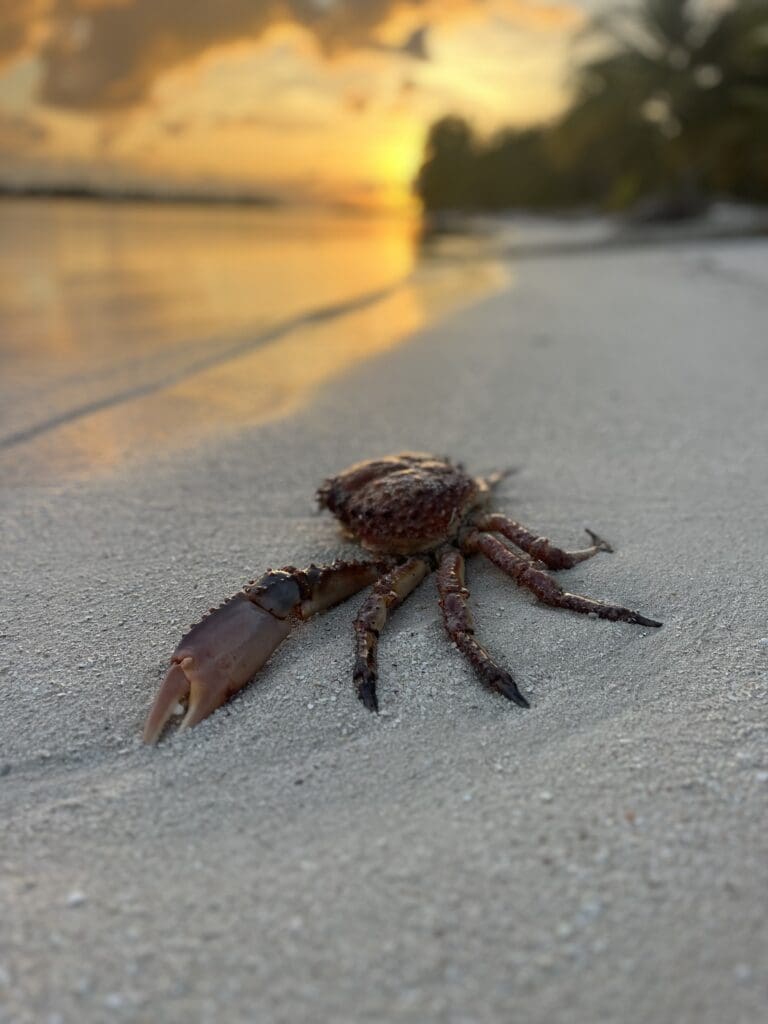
(124, 328)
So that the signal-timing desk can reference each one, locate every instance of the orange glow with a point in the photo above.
(272, 382)
(153, 327)
(334, 109)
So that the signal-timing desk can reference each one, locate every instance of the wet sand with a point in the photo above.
(134, 329)
(602, 857)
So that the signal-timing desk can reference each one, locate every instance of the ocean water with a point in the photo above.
(129, 328)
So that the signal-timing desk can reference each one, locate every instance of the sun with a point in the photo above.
(396, 159)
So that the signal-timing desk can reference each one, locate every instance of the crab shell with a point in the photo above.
(403, 504)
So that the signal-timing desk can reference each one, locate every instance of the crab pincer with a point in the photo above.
(221, 654)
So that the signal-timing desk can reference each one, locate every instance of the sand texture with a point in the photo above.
(599, 859)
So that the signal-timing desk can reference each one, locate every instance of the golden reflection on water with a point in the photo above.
(99, 303)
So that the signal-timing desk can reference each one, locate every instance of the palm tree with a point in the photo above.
(671, 97)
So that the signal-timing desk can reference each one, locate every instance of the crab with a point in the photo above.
(416, 513)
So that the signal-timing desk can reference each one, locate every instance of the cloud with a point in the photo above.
(20, 24)
(107, 54)
(19, 134)
(413, 46)
(357, 102)
(108, 57)
(175, 128)
(281, 122)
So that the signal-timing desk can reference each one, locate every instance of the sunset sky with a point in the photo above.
(306, 99)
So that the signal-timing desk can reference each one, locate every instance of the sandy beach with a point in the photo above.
(599, 859)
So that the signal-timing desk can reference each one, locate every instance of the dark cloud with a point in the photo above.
(176, 127)
(416, 44)
(278, 122)
(19, 133)
(102, 55)
(106, 54)
(357, 103)
(281, 122)
(19, 22)
(108, 57)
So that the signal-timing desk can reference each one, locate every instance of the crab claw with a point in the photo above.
(215, 660)
(222, 653)
(175, 688)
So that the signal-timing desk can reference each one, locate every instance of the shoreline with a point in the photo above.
(84, 395)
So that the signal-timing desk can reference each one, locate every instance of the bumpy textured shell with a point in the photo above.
(401, 504)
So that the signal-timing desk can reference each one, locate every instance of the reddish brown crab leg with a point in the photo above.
(461, 628)
(531, 575)
(538, 547)
(219, 655)
(388, 592)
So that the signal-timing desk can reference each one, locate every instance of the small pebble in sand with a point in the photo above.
(546, 797)
(76, 898)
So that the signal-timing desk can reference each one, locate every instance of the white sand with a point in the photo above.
(600, 858)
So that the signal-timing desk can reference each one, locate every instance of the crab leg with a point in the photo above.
(531, 575)
(388, 592)
(461, 629)
(540, 548)
(219, 655)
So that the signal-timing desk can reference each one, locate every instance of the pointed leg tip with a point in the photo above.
(370, 700)
(495, 478)
(506, 685)
(519, 699)
(366, 691)
(641, 620)
(516, 698)
(599, 543)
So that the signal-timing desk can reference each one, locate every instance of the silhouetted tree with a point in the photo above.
(674, 101)
(447, 179)
(675, 88)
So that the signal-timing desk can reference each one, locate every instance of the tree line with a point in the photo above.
(672, 103)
